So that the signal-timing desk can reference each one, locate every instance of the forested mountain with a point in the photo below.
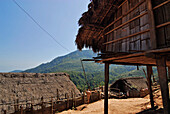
(95, 72)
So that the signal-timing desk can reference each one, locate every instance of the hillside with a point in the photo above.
(70, 62)
(95, 72)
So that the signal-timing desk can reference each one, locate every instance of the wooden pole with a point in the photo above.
(85, 74)
(17, 104)
(32, 106)
(57, 94)
(51, 105)
(149, 73)
(21, 109)
(72, 98)
(83, 98)
(169, 73)
(15, 108)
(4, 111)
(151, 24)
(67, 101)
(42, 105)
(162, 73)
(106, 88)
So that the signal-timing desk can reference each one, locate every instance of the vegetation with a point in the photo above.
(95, 72)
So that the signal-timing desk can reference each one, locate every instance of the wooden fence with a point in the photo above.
(53, 105)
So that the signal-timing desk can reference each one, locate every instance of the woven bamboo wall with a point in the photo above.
(130, 29)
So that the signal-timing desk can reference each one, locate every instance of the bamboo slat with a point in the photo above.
(127, 36)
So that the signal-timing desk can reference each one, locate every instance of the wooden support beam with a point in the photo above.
(129, 63)
(106, 88)
(151, 25)
(162, 73)
(149, 74)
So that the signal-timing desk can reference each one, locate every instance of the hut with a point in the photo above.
(129, 32)
(129, 87)
(31, 87)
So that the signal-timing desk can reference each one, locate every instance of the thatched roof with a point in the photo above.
(92, 24)
(24, 86)
(132, 82)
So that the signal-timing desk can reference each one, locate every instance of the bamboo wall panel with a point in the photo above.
(137, 42)
(163, 36)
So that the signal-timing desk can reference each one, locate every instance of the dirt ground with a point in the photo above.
(116, 106)
(120, 106)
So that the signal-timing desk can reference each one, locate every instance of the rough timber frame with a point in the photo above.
(146, 58)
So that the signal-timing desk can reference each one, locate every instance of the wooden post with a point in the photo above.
(106, 88)
(26, 104)
(17, 104)
(72, 98)
(42, 105)
(4, 111)
(32, 106)
(162, 73)
(51, 105)
(67, 103)
(149, 73)
(57, 94)
(151, 25)
(21, 110)
(169, 72)
(83, 98)
(75, 101)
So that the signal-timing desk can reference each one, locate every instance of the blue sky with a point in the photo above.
(23, 44)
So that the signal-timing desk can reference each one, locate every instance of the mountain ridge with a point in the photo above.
(71, 64)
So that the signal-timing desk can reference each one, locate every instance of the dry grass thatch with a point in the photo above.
(92, 22)
(133, 82)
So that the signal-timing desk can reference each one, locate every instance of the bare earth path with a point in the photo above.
(116, 106)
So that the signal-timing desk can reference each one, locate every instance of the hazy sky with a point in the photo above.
(23, 44)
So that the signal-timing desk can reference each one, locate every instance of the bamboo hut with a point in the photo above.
(129, 87)
(129, 32)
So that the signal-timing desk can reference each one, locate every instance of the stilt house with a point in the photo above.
(129, 32)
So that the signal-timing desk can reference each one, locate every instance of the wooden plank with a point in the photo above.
(149, 74)
(106, 88)
(130, 63)
(162, 73)
(159, 50)
(152, 25)
(122, 57)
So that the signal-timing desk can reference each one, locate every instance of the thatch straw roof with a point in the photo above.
(132, 82)
(24, 86)
(92, 23)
